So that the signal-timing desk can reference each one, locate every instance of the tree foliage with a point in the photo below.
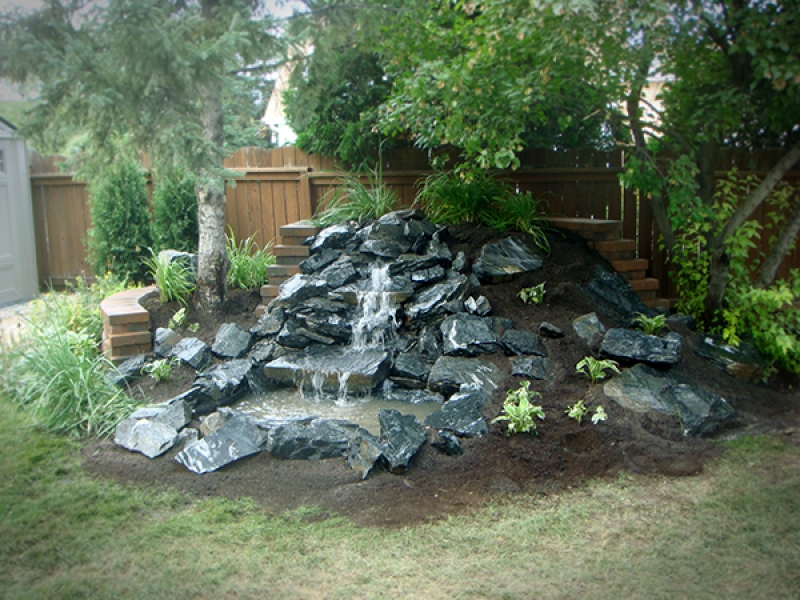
(175, 211)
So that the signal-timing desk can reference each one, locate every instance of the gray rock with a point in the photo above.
(263, 352)
(187, 259)
(221, 385)
(460, 263)
(425, 276)
(522, 343)
(461, 414)
(175, 413)
(317, 262)
(587, 327)
(679, 320)
(413, 396)
(294, 336)
(626, 344)
(411, 366)
(360, 370)
(128, 370)
(238, 438)
(339, 273)
(743, 362)
(313, 439)
(334, 237)
(210, 423)
(550, 331)
(449, 373)
(533, 367)
(270, 323)
(503, 260)
(385, 248)
(480, 306)
(428, 345)
(231, 341)
(364, 453)
(164, 341)
(468, 335)
(429, 300)
(301, 287)
(642, 388)
(146, 435)
(403, 438)
(445, 442)
(193, 352)
(612, 295)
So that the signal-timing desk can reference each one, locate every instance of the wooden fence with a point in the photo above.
(283, 185)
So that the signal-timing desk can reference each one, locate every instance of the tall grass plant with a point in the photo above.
(248, 262)
(357, 201)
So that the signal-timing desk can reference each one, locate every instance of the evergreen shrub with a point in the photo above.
(175, 212)
(121, 229)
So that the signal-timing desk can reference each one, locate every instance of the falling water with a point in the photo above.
(377, 318)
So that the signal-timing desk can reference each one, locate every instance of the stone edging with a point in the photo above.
(126, 324)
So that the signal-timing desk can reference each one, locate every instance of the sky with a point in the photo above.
(279, 8)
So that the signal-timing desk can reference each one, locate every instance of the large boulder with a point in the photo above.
(335, 237)
(461, 415)
(403, 437)
(589, 328)
(313, 438)
(231, 341)
(468, 335)
(635, 346)
(612, 295)
(503, 260)
(533, 367)
(522, 343)
(301, 287)
(743, 362)
(153, 430)
(221, 385)
(193, 352)
(239, 437)
(430, 300)
(449, 373)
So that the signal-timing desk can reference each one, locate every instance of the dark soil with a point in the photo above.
(561, 455)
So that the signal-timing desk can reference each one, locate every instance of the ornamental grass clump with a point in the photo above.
(356, 201)
(248, 262)
(174, 278)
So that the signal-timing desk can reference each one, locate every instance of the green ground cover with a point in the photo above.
(732, 532)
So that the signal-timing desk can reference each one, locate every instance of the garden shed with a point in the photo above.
(18, 276)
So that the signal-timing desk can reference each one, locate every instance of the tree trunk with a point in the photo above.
(718, 269)
(212, 259)
(768, 271)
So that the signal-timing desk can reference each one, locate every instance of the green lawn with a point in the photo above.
(733, 532)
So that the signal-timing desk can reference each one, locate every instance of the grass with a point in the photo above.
(732, 532)
(173, 278)
(248, 262)
(356, 201)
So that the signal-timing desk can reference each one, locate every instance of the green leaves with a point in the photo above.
(596, 369)
(519, 411)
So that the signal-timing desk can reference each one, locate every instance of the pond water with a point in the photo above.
(361, 410)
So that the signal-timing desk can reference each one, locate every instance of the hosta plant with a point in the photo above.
(519, 411)
(599, 415)
(595, 369)
(161, 369)
(533, 294)
(650, 325)
(577, 411)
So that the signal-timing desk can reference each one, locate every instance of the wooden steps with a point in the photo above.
(289, 253)
(126, 325)
(605, 236)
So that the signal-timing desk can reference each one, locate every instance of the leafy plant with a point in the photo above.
(519, 212)
(356, 201)
(58, 377)
(120, 231)
(161, 369)
(577, 411)
(532, 295)
(248, 262)
(174, 278)
(599, 415)
(519, 411)
(650, 325)
(178, 319)
(194, 327)
(596, 369)
(175, 212)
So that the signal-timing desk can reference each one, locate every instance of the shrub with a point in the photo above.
(519, 411)
(596, 369)
(356, 201)
(174, 278)
(175, 212)
(248, 263)
(121, 232)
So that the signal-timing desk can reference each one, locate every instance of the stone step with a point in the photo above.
(615, 249)
(596, 230)
(301, 229)
(631, 269)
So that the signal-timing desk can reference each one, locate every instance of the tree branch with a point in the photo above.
(766, 275)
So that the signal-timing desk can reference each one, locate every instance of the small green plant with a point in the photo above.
(532, 295)
(599, 415)
(356, 201)
(650, 325)
(178, 319)
(596, 369)
(194, 327)
(519, 411)
(174, 278)
(248, 262)
(577, 411)
(161, 369)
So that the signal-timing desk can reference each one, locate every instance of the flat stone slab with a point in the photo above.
(743, 362)
(626, 344)
(238, 438)
(359, 370)
(504, 260)
(313, 439)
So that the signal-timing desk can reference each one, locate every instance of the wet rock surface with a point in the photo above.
(635, 346)
(504, 259)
